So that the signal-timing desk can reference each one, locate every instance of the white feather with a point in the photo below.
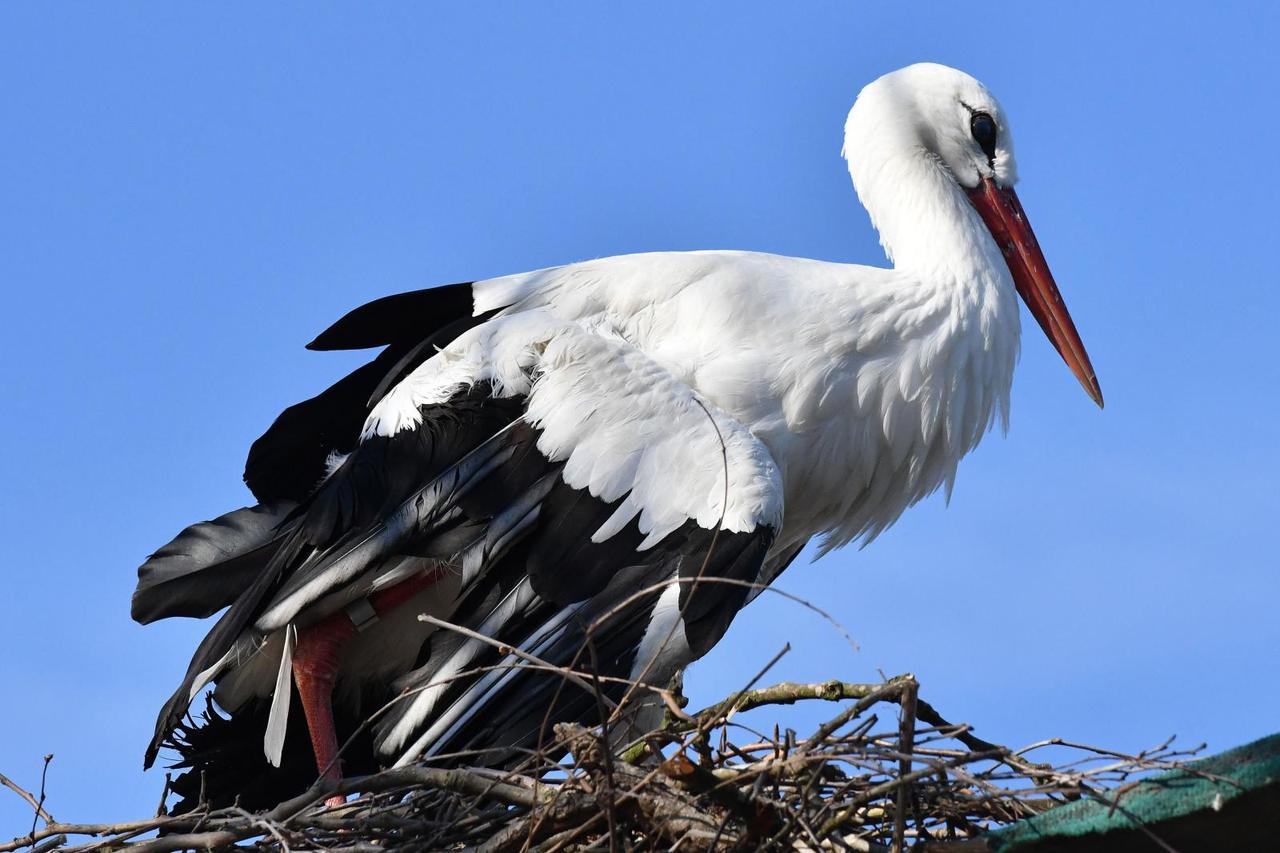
(209, 674)
(623, 425)
(510, 666)
(443, 672)
(278, 719)
(664, 648)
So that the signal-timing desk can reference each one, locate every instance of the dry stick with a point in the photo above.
(632, 792)
(784, 693)
(787, 695)
(702, 782)
(906, 735)
(706, 724)
(161, 811)
(458, 780)
(824, 731)
(49, 844)
(610, 802)
(534, 822)
(545, 667)
(566, 838)
(1137, 822)
(509, 649)
(637, 750)
(53, 829)
(703, 727)
(1040, 773)
(268, 827)
(880, 790)
(26, 795)
(891, 688)
(109, 842)
(635, 791)
(791, 792)
(794, 817)
(929, 714)
(532, 825)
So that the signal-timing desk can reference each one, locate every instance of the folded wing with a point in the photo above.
(585, 507)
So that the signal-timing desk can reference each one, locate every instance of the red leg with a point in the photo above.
(315, 671)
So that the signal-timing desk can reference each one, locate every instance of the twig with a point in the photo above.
(506, 648)
(161, 811)
(44, 775)
(856, 783)
(49, 844)
(35, 804)
(906, 743)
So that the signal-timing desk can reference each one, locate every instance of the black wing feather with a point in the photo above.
(396, 318)
(382, 474)
(208, 564)
(506, 712)
(289, 459)
(610, 588)
(471, 476)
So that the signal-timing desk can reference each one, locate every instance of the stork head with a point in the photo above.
(929, 124)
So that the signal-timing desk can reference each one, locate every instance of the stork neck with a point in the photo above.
(927, 226)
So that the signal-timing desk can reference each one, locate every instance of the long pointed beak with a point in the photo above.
(1003, 214)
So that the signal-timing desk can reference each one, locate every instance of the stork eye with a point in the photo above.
(983, 127)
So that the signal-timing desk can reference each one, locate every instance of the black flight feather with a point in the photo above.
(396, 318)
(469, 480)
(208, 564)
(289, 459)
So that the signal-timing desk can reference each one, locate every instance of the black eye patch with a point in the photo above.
(983, 128)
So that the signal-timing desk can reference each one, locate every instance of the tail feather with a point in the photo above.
(223, 757)
(220, 639)
(281, 699)
(208, 565)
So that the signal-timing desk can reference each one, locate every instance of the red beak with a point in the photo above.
(1003, 214)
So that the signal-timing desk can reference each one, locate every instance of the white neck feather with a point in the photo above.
(947, 378)
(927, 226)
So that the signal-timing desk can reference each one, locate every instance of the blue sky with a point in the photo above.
(190, 193)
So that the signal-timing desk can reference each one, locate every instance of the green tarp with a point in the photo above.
(1230, 802)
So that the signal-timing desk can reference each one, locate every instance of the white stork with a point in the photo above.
(614, 450)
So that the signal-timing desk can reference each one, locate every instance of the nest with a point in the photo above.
(885, 773)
